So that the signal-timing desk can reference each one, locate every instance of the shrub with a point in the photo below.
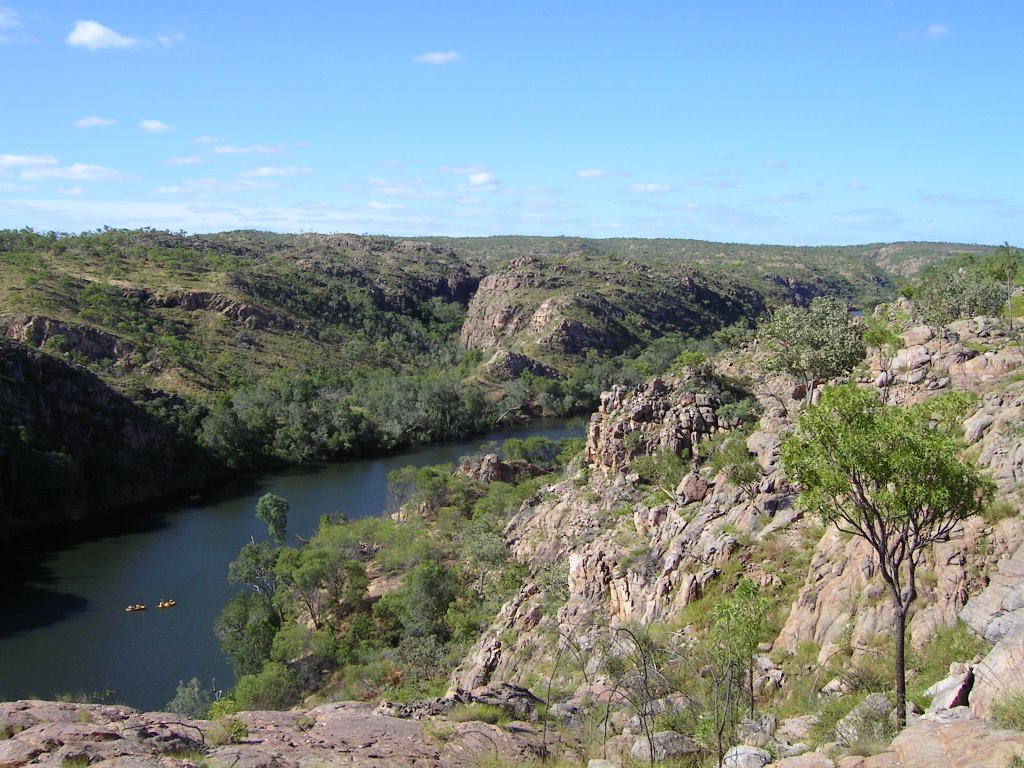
(956, 643)
(1008, 711)
(275, 687)
(998, 510)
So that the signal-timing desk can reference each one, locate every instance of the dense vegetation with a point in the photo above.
(307, 618)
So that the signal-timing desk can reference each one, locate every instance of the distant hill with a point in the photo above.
(254, 347)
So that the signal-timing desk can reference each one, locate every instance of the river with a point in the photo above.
(63, 627)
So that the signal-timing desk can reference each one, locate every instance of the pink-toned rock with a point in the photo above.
(910, 358)
(916, 336)
(692, 488)
(811, 760)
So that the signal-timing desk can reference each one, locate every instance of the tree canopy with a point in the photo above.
(813, 344)
(889, 475)
(273, 510)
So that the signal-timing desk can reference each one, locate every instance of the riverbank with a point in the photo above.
(64, 629)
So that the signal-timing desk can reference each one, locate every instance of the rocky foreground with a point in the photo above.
(353, 734)
(339, 734)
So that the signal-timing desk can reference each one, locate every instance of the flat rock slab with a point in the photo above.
(340, 734)
(931, 744)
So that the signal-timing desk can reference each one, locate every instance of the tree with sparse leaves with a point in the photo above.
(814, 344)
(891, 476)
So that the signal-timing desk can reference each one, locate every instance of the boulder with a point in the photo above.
(916, 336)
(952, 691)
(796, 728)
(667, 745)
(746, 756)
(812, 760)
(869, 721)
(975, 427)
(911, 358)
(692, 488)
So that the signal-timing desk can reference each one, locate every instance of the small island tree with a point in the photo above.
(273, 510)
(813, 344)
(891, 476)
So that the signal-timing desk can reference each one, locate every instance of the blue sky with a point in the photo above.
(800, 122)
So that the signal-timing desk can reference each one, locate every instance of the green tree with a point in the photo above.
(428, 591)
(323, 581)
(190, 700)
(739, 624)
(889, 476)
(813, 344)
(738, 464)
(1004, 266)
(955, 290)
(275, 686)
(246, 629)
(877, 334)
(255, 566)
(273, 510)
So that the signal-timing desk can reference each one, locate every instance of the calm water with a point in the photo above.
(63, 628)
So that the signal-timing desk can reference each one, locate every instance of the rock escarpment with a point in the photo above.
(633, 553)
(556, 309)
(627, 558)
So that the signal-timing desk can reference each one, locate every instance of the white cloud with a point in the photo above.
(155, 126)
(93, 122)
(189, 160)
(73, 191)
(75, 172)
(595, 173)
(481, 179)
(205, 139)
(251, 149)
(26, 161)
(857, 185)
(797, 197)
(268, 170)
(94, 36)
(384, 206)
(216, 185)
(658, 188)
(938, 31)
(10, 27)
(773, 164)
(389, 163)
(438, 57)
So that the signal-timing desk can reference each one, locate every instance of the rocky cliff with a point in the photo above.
(633, 553)
(557, 309)
(71, 443)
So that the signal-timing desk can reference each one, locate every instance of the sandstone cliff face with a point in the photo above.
(629, 560)
(90, 343)
(551, 309)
